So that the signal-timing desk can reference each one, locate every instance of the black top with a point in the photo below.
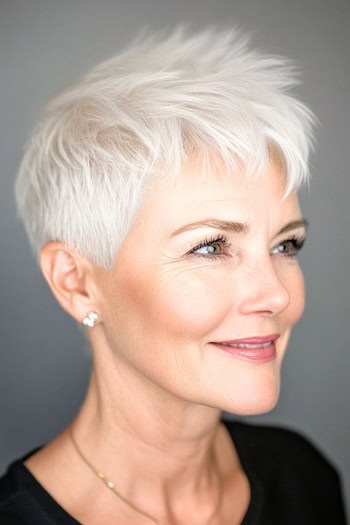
(291, 483)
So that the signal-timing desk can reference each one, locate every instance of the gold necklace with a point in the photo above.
(110, 484)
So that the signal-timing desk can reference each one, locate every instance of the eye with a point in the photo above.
(211, 248)
(290, 247)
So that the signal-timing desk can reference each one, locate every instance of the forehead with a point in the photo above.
(229, 196)
(219, 185)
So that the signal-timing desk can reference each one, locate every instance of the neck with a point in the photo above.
(158, 450)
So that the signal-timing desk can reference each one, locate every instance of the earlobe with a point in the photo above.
(65, 274)
(90, 319)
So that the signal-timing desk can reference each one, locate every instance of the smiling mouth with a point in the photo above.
(250, 342)
(253, 349)
(246, 345)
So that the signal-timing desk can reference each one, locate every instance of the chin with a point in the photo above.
(254, 399)
(257, 407)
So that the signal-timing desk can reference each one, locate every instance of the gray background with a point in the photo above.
(44, 46)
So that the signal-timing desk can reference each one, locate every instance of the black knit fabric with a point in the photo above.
(291, 482)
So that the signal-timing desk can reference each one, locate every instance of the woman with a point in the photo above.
(160, 195)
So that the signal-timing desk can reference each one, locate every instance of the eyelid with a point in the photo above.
(222, 239)
(219, 239)
(297, 242)
(300, 231)
(290, 236)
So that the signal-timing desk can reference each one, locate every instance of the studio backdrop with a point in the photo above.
(44, 46)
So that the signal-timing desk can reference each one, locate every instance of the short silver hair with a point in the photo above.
(144, 112)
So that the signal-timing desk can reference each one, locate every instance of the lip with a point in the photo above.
(253, 355)
(251, 340)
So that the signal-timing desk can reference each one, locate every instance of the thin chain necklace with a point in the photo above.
(110, 484)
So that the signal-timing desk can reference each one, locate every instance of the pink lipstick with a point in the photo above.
(254, 349)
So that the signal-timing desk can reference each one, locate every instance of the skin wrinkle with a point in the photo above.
(151, 417)
(110, 184)
(235, 227)
(171, 282)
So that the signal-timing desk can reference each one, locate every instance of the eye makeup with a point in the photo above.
(217, 240)
(292, 246)
(289, 247)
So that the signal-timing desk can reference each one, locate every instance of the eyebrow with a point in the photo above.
(236, 227)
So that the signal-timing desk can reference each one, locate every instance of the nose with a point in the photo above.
(263, 291)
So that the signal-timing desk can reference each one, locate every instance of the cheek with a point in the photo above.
(183, 304)
(196, 309)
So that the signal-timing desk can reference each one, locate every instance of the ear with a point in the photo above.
(69, 277)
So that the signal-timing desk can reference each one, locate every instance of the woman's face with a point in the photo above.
(187, 277)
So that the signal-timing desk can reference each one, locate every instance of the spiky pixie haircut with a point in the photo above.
(142, 114)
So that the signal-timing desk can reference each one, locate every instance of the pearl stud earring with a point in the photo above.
(90, 319)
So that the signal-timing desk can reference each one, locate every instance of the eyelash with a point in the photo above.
(296, 242)
(221, 239)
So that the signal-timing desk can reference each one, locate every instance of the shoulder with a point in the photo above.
(24, 500)
(294, 472)
(280, 448)
(21, 496)
(12, 496)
